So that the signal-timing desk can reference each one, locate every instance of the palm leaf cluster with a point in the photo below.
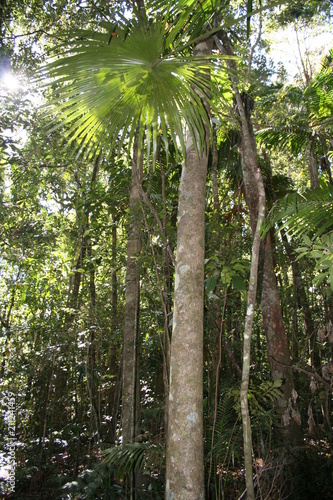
(310, 116)
(321, 250)
(127, 74)
(292, 132)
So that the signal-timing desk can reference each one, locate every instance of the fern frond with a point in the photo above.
(320, 94)
(292, 139)
(146, 457)
(310, 212)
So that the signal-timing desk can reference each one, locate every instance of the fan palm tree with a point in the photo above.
(131, 83)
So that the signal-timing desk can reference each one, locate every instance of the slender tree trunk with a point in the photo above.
(278, 351)
(130, 359)
(300, 297)
(130, 377)
(313, 165)
(251, 302)
(168, 267)
(130, 338)
(215, 312)
(185, 450)
(277, 342)
(113, 367)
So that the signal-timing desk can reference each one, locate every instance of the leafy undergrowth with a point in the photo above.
(304, 474)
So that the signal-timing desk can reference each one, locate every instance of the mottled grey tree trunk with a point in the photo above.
(251, 302)
(185, 447)
(114, 368)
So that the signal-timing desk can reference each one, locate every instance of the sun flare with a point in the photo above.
(10, 81)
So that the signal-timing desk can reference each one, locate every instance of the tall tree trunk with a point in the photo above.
(251, 302)
(278, 351)
(277, 342)
(130, 378)
(168, 267)
(300, 297)
(185, 450)
(214, 312)
(132, 292)
(130, 417)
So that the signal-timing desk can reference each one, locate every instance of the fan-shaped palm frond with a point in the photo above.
(193, 17)
(111, 81)
(310, 212)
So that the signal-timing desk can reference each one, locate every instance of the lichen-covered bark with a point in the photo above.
(185, 446)
(185, 451)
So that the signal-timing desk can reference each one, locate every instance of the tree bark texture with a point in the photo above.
(300, 297)
(251, 302)
(185, 450)
(278, 351)
(130, 375)
(313, 165)
(112, 364)
(132, 292)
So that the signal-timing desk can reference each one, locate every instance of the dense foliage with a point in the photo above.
(88, 89)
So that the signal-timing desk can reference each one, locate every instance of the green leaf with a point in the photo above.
(307, 213)
(306, 240)
(210, 284)
(104, 90)
(238, 282)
